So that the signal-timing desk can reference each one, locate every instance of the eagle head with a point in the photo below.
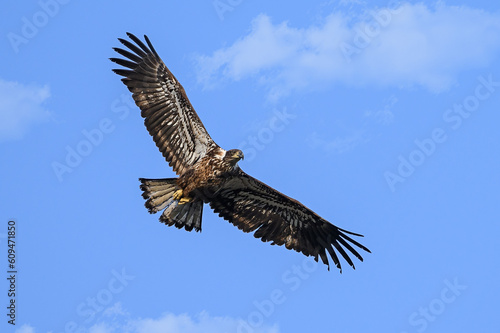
(233, 156)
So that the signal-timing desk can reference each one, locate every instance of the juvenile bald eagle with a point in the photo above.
(210, 174)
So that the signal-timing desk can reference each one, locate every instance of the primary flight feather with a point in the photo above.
(209, 174)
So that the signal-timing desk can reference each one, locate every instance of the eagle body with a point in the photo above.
(209, 174)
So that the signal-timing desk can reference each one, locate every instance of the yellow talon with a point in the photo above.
(177, 194)
(185, 200)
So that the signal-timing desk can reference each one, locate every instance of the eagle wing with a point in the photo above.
(252, 205)
(169, 116)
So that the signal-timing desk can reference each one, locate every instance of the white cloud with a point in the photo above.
(338, 145)
(115, 319)
(172, 323)
(20, 108)
(204, 323)
(25, 329)
(115, 310)
(413, 44)
(102, 328)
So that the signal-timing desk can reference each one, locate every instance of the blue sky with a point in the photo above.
(382, 117)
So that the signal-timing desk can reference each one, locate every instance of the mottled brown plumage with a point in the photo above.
(210, 174)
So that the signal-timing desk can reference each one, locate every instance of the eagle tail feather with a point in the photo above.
(159, 196)
(158, 193)
(187, 215)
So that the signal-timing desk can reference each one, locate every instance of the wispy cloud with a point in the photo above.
(338, 145)
(115, 319)
(365, 130)
(25, 329)
(385, 115)
(203, 323)
(21, 106)
(413, 44)
(115, 310)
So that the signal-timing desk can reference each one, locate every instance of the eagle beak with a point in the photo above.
(239, 155)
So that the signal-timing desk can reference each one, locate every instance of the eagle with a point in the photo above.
(210, 174)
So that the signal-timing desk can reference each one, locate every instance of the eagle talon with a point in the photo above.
(185, 200)
(178, 194)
